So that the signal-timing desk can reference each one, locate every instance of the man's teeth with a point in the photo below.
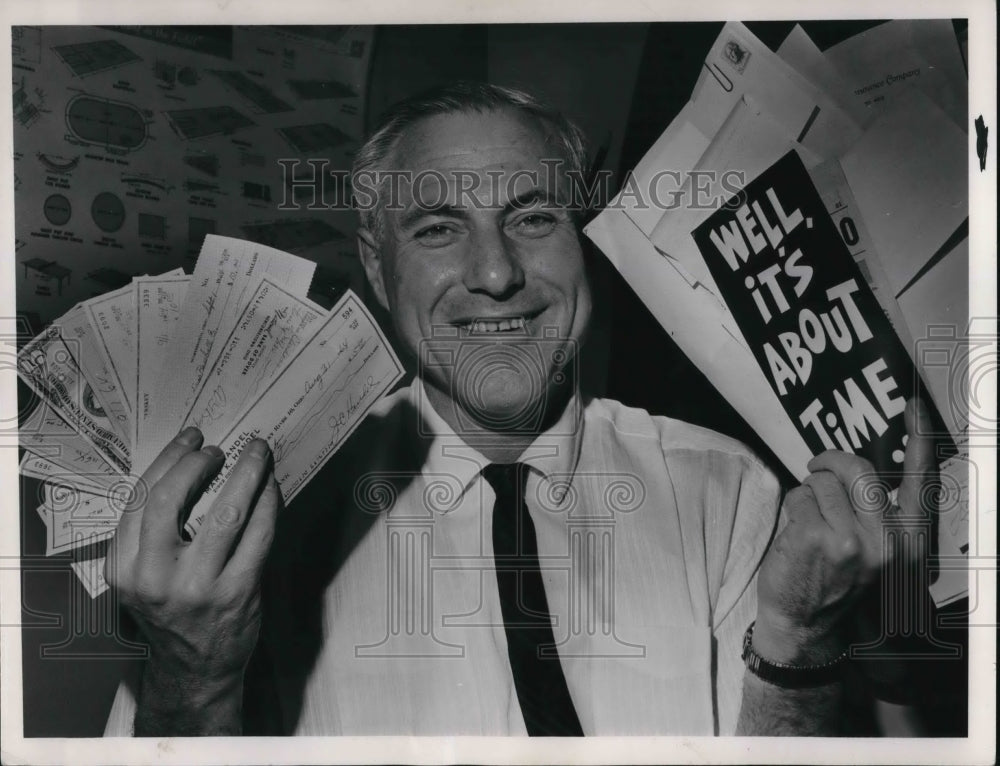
(504, 325)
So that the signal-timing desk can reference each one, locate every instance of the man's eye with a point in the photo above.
(436, 234)
(535, 224)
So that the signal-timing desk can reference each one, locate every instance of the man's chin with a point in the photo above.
(504, 407)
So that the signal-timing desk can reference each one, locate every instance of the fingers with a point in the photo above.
(248, 559)
(919, 465)
(186, 441)
(832, 500)
(866, 492)
(177, 489)
(211, 547)
(821, 546)
(802, 508)
(825, 536)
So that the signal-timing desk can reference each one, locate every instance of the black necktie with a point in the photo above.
(538, 677)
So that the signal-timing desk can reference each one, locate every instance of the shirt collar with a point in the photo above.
(553, 455)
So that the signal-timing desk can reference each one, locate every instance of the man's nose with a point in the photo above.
(493, 264)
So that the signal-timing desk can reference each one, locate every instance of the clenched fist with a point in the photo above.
(835, 544)
(196, 603)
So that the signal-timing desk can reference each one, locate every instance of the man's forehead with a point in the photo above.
(496, 156)
(481, 142)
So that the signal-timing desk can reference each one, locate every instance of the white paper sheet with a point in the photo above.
(800, 52)
(91, 573)
(739, 64)
(909, 174)
(880, 63)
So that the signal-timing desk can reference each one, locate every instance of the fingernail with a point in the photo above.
(258, 448)
(189, 435)
(212, 451)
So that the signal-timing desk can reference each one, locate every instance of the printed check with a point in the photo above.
(314, 405)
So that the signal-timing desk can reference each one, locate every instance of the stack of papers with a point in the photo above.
(235, 349)
(705, 230)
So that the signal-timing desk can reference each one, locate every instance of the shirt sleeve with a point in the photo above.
(737, 537)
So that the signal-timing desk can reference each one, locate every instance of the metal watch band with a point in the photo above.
(790, 676)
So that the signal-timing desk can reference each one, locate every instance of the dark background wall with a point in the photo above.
(623, 83)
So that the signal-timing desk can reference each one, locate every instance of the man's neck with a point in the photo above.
(497, 446)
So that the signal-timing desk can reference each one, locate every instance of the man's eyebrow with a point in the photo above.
(529, 197)
(417, 212)
(521, 201)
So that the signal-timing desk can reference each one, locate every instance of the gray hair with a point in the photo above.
(460, 96)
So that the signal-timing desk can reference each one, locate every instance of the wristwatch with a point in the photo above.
(790, 676)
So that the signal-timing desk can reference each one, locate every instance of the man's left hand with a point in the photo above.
(836, 544)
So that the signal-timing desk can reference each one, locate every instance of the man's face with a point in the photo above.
(479, 265)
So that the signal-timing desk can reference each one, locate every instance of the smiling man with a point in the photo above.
(495, 551)
(482, 239)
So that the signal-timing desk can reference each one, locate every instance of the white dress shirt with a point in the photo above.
(382, 612)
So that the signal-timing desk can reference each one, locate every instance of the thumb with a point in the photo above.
(916, 491)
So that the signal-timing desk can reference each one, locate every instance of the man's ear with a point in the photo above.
(371, 259)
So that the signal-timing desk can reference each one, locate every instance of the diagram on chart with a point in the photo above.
(314, 137)
(256, 192)
(53, 163)
(85, 59)
(313, 90)
(117, 126)
(201, 187)
(27, 104)
(255, 93)
(145, 186)
(108, 212)
(152, 226)
(324, 39)
(169, 75)
(109, 279)
(26, 44)
(206, 163)
(57, 210)
(207, 121)
(292, 236)
(148, 138)
(46, 272)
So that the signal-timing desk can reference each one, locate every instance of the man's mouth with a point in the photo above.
(514, 324)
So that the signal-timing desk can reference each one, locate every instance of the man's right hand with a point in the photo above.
(198, 603)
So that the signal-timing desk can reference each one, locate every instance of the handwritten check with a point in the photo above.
(47, 436)
(224, 278)
(310, 409)
(158, 302)
(45, 469)
(273, 326)
(75, 518)
(76, 325)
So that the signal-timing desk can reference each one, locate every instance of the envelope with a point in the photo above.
(698, 327)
